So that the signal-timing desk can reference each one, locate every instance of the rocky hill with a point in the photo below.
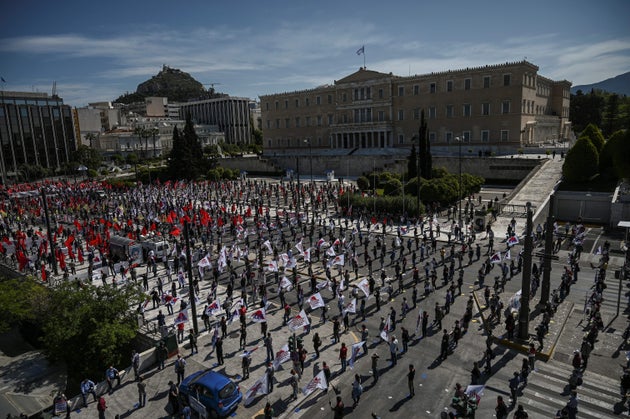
(172, 83)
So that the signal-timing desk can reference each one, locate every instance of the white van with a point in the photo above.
(160, 248)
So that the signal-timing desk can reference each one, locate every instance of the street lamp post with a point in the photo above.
(459, 189)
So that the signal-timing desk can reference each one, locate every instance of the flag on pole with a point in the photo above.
(350, 307)
(182, 317)
(508, 255)
(299, 247)
(285, 283)
(282, 356)
(307, 255)
(259, 387)
(387, 327)
(364, 286)
(267, 244)
(338, 260)
(330, 252)
(321, 285)
(496, 258)
(356, 347)
(512, 240)
(272, 266)
(214, 308)
(319, 381)
(258, 316)
(298, 321)
(316, 301)
(361, 50)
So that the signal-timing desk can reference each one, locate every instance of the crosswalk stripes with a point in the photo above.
(547, 392)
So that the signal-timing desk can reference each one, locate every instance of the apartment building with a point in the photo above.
(494, 108)
(230, 114)
(35, 129)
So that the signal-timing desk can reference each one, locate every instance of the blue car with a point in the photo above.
(215, 391)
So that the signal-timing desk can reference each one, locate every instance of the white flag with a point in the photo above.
(285, 283)
(364, 286)
(316, 301)
(282, 356)
(386, 329)
(307, 255)
(259, 387)
(508, 255)
(258, 316)
(496, 258)
(272, 266)
(203, 262)
(299, 247)
(298, 321)
(330, 252)
(351, 307)
(267, 244)
(319, 381)
(321, 285)
(214, 308)
(356, 347)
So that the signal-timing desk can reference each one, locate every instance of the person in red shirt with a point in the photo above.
(343, 355)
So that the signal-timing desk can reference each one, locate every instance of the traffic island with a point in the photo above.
(499, 332)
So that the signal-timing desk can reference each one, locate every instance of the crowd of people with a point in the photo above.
(248, 237)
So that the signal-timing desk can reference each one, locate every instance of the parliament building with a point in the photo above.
(494, 108)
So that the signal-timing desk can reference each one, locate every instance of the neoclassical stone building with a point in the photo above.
(494, 108)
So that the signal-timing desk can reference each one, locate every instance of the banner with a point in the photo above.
(259, 387)
(214, 308)
(319, 381)
(182, 317)
(259, 316)
(316, 301)
(282, 356)
(285, 284)
(512, 240)
(496, 258)
(350, 307)
(356, 347)
(364, 286)
(386, 329)
(298, 321)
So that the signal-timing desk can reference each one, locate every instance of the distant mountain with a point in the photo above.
(619, 85)
(172, 83)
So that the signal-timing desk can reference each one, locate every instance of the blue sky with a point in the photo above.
(96, 51)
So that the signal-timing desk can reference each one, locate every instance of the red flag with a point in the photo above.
(44, 276)
(69, 241)
(175, 231)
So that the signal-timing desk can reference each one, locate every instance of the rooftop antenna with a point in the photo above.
(54, 89)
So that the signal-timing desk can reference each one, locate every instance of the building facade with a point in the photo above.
(230, 114)
(35, 129)
(495, 108)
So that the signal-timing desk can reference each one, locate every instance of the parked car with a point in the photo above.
(215, 391)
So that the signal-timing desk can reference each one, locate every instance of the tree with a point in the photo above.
(186, 160)
(426, 160)
(586, 109)
(87, 156)
(581, 162)
(412, 163)
(89, 327)
(611, 147)
(621, 162)
(611, 120)
(595, 135)
(18, 300)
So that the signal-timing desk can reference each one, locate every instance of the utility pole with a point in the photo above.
(297, 209)
(191, 288)
(50, 237)
(548, 255)
(523, 314)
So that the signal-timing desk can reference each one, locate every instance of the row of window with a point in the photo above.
(365, 93)
(366, 115)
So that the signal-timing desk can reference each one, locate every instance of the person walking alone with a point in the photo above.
(410, 376)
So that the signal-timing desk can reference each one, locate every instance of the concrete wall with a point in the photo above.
(351, 166)
(592, 207)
